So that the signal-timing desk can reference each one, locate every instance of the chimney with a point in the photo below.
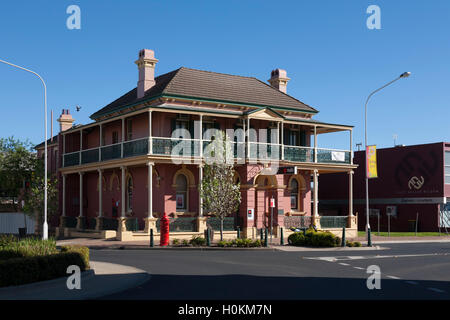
(278, 79)
(146, 66)
(65, 120)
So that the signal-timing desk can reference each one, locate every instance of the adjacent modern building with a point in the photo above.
(127, 166)
(413, 184)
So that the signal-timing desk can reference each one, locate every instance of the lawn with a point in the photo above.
(402, 234)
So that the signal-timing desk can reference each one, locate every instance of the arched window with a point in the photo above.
(182, 191)
(129, 194)
(294, 194)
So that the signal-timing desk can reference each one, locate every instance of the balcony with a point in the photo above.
(161, 146)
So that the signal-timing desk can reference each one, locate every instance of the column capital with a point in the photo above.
(100, 170)
(123, 167)
(81, 173)
(350, 172)
(201, 165)
(149, 163)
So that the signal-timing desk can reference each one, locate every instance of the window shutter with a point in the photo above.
(303, 138)
(286, 134)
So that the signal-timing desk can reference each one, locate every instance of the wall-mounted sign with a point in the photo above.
(250, 214)
(272, 202)
(371, 160)
(391, 211)
(416, 183)
(287, 170)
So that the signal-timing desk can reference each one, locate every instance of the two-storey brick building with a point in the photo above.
(124, 165)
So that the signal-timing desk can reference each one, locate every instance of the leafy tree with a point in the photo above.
(221, 196)
(17, 162)
(34, 196)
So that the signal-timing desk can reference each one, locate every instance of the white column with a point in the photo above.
(200, 199)
(201, 137)
(150, 190)
(64, 148)
(64, 196)
(150, 140)
(100, 144)
(123, 192)
(248, 138)
(315, 144)
(350, 192)
(282, 140)
(81, 194)
(351, 146)
(81, 144)
(316, 194)
(100, 193)
(123, 137)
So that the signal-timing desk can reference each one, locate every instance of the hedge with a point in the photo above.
(314, 238)
(17, 271)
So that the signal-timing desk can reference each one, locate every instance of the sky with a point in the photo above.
(333, 59)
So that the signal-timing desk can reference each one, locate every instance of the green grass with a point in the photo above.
(402, 234)
(13, 247)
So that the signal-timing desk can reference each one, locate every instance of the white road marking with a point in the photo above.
(436, 290)
(344, 264)
(393, 277)
(343, 258)
(359, 268)
(412, 282)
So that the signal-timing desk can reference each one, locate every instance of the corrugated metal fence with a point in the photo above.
(10, 222)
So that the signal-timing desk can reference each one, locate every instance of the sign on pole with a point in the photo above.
(371, 154)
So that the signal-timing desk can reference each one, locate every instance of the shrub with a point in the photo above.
(175, 242)
(357, 244)
(314, 238)
(197, 241)
(83, 251)
(17, 271)
(256, 243)
(222, 243)
(243, 242)
(298, 239)
(11, 247)
(185, 242)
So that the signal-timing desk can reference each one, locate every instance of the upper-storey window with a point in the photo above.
(129, 130)
(447, 167)
(115, 137)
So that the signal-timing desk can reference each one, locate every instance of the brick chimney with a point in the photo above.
(65, 120)
(146, 66)
(278, 79)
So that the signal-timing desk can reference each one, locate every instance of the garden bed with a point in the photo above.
(30, 260)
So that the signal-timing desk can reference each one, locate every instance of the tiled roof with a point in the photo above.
(210, 85)
(49, 142)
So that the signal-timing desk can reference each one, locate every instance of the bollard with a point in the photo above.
(261, 235)
(369, 239)
(266, 244)
(281, 237)
(343, 244)
(238, 233)
(151, 238)
(208, 238)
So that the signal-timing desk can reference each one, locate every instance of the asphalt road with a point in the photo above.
(408, 271)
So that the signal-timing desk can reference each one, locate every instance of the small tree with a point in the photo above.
(34, 196)
(221, 196)
(17, 162)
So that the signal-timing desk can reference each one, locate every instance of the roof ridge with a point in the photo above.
(287, 95)
(226, 74)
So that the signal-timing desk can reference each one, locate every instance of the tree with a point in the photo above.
(17, 162)
(34, 195)
(221, 196)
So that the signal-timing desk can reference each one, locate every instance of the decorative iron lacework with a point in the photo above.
(228, 223)
(182, 224)
(297, 222)
(333, 222)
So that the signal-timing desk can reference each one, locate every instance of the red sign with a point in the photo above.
(272, 203)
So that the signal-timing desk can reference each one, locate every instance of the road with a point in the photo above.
(408, 271)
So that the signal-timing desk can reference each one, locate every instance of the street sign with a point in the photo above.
(287, 170)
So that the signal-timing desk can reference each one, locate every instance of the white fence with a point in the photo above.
(10, 222)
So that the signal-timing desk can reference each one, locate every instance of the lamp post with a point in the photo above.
(403, 75)
(45, 226)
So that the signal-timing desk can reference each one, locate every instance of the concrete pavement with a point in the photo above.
(104, 278)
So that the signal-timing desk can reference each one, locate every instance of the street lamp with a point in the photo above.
(403, 75)
(45, 226)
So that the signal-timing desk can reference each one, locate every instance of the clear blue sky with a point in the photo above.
(334, 61)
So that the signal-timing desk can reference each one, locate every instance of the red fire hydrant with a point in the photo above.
(164, 231)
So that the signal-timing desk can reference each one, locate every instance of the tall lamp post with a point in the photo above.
(403, 75)
(45, 226)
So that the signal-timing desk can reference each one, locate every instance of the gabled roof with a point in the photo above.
(193, 83)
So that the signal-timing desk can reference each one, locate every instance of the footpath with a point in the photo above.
(101, 280)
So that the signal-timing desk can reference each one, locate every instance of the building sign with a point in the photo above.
(250, 214)
(371, 160)
(287, 170)
(416, 183)
(391, 211)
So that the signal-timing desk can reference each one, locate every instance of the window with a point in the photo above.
(129, 130)
(129, 194)
(294, 194)
(115, 137)
(447, 167)
(181, 195)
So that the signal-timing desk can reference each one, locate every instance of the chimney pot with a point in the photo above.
(278, 79)
(65, 120)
